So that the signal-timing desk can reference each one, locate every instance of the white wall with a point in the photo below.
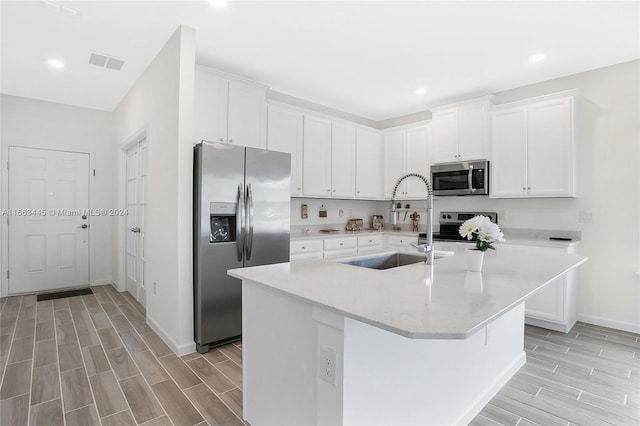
(160, 107)
(352, 209)
(45, 125)
(608, 180)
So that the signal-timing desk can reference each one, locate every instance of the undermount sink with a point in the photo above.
(386, 261)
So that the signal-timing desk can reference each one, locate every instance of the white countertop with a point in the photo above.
(418, 301)
(301, 234)
(527, 237)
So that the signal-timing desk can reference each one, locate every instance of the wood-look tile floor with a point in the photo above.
(589, 376)
(92, 360)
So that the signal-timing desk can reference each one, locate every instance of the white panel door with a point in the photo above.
(549, 148)
(210, 107)
(445, 135)
(508, 148)
(284, 134)
(343, 161)
(394, 163)
(136, 201)
(472, 142)
(316, 157)
(368, 163)
(48, 219)
(247, 115)
(417, 160)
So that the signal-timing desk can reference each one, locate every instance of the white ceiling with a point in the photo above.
(365, 58)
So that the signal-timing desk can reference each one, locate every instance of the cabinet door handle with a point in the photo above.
(341, 244)
(230, 140)
(529, 188)
(299, 189)
(524, 189)
(221, 140)
(303, 248)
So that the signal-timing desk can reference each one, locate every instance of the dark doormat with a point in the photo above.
(61, 294)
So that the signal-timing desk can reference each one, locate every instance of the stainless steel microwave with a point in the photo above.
(461, 178)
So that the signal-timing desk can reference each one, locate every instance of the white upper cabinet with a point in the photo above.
(229, 110)
(210, 97)
(460, 131)
(417, 160)
(368, 163)
(247, 115)
(550, 166)
(533, 148)
(343, 160)
(316, 173)
(406, 151)
(394, 162)
(509, 155)
(284, 134)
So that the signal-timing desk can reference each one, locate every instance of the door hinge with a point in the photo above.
(94, 172)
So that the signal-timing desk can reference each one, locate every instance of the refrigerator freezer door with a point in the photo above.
(268, 180)
(218, 192)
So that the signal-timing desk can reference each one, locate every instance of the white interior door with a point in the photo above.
(136, 194)
(48, 219)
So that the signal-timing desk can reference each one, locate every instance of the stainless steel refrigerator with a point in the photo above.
(241, 218)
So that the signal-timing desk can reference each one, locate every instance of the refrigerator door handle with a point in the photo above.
(240, 222)
(249, 213)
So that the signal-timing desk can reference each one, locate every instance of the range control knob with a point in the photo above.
(448, 216)
(444, 216)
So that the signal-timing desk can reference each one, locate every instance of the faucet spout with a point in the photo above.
(428, 246)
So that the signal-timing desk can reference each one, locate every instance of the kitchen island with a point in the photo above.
(331, 343)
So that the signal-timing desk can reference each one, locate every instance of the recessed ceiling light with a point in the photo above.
(536, 58)
(55, 63)
(421, 91)
(218, 4)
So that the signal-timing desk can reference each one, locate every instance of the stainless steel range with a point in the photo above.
(450, 223)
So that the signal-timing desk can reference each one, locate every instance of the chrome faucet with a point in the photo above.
(427, 248)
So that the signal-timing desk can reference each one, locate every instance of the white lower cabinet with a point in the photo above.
(554, 306)
(369, 243)
(340, 246)
(305, 249)
(399, 241)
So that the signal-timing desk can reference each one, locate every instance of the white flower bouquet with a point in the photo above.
(481, 230)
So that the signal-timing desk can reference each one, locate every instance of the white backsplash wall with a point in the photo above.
(352, 209)
(541, 213)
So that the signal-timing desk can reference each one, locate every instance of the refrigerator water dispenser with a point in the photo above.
(222, 223)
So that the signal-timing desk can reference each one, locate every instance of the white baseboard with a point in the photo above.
(604, 322)
(182, 349)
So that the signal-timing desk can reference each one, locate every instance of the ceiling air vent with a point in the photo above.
(110, 62)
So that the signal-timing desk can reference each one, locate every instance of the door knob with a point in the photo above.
(83, 226)
(136, 229)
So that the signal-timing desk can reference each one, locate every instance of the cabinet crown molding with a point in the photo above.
(575, 93)
(480, 99)
(407, 126)
(229, 76)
